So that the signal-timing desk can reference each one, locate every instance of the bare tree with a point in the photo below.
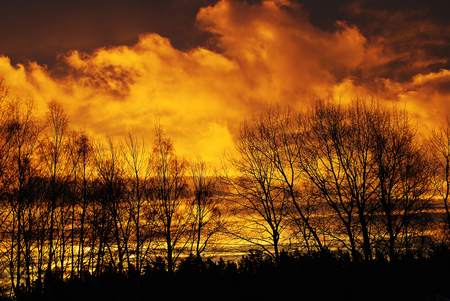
(169, 193)
(403, 173)
(138, 159)
(209, 213)
(282, 135)
(111, 176)
(82, 177)
(325, 163)
(55, 152)
(440, 150)
(260, 203)
(20, 181)
(343, 140)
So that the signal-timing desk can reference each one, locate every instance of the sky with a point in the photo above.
(201, 67)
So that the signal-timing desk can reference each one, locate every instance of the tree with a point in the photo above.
(324, 163)
(440, 150)
(207, 200)
(339, 163)
(138, 161)
(116, 213)
(21, 183)
(281, 136)
(403, 173)
(260, 203)
(371, 168)
(169, 195)
(55, 151)
(82, 178)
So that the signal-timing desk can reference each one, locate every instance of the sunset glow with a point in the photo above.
(257, 54)
(224, 150)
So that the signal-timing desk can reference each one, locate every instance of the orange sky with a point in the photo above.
(254, 54)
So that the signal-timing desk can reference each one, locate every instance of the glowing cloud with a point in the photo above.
(259, 54)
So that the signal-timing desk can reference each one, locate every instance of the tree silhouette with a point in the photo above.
(169, 193)
(54, 152)
(210, 216)
(440, 150)
(281, 134)
(403, 173)
(138, 160)
(110, 168)
(338, 161)
(20, 181)
(260, 203)
(82, 177)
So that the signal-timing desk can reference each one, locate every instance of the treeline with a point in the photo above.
(71, 207)
(356, 176)
(255, 276)
(356, 179)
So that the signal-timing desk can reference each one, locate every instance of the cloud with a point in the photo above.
(258, 54)
(408, 39)
(279, 51)
(427, 97)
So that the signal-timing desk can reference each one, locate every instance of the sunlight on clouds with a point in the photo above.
(163, 84)
(420, 79)
(15, 77)
(266, 55)
(282, 56)
(427, 97)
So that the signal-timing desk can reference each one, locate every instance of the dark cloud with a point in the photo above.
(412, 36)
(40, 30)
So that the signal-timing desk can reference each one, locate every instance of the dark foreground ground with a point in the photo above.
(297, 277)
